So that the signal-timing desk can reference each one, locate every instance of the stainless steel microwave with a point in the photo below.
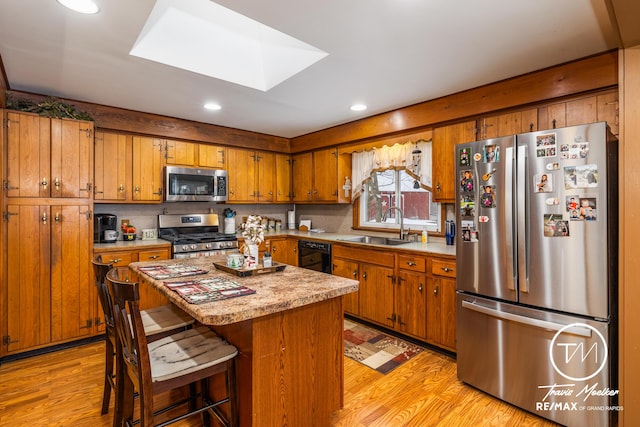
(186, 184)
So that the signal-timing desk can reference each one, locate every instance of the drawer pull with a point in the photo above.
(154, 256)
(411, 263)
(115, 261)
(446, 269)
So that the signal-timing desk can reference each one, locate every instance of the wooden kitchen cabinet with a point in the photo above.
(48, 157)
(318, 174)
(441, 303)
(350, 270)
(251, 176)
(122, 258)
(48, 283)
(284, 173)
(508, 124)
(113, 167)
(602, 107)
(180, 153)
(444, 140)
(377, 282)
(410, 301)
(148, 161)
(212, 156)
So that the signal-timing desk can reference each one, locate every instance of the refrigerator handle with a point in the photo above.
(537, 323)
(509, 224)
(522, 233)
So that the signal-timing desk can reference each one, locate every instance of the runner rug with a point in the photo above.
(375, 349)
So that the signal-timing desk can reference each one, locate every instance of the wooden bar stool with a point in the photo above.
(180, 359)
(157, 321)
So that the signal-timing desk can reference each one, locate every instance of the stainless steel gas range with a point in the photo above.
(195, 235)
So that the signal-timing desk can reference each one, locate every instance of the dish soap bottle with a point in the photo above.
(424, 235)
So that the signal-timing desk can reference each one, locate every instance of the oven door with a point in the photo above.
(193, 184)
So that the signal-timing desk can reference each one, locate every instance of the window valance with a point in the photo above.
(414, 157)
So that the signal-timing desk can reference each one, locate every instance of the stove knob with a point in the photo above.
(207, 245)
(194, 247)
(185, 247)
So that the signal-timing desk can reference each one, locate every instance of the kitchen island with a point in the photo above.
(289, 334)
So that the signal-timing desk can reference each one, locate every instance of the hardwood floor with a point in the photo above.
(65, 389)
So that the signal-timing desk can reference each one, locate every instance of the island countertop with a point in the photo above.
(275, 292)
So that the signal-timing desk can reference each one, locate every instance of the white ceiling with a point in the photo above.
(384, 53)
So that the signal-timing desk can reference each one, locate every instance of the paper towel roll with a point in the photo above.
(291, 220)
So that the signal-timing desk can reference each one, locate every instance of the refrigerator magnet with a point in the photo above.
(467, 206)
(571, 201)
(574, 151)
(585, 176)
(465, 156)
(546, 145)
(543, 183)
(466, 180)
(553, 166)
(552, 201)
(488, 200)
(555, 226)
(483, 218)
(588, 211)
(491, 153)
(487, 176)
(477, 157)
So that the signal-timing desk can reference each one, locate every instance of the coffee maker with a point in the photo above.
(105, 228)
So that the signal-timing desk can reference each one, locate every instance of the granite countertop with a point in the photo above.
(275, 292)
(434, 247)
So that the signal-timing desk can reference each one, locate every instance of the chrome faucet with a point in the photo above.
(384, 218)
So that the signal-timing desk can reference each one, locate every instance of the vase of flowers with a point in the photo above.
(253, 235)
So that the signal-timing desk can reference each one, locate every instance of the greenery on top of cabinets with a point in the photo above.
(50, 107)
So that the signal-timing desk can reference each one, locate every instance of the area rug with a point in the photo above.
(375, 349)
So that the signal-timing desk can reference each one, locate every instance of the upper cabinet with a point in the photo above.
(182, 153)
(444, 140)
(318, 176)
(113, 167)
(251, 176)
(48, 157)
(147, 169)
(284, 190)
(508, 124)
(597, 108)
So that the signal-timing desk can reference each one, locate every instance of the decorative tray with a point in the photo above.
(244, 272)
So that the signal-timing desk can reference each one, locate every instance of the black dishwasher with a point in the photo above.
(314, 255)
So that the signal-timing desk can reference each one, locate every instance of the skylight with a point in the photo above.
(206, 38)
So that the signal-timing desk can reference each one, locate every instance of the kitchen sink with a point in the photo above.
(375, 240)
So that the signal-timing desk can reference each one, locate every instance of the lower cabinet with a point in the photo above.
(283, 249)
(48, 290)
(122, 258)
(412, 294)
(374, 301)
(411, 309)
(441, 303)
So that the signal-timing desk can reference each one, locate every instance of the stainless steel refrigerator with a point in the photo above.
(537, 271)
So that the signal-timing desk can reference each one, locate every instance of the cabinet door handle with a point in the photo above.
(44, 217)
(355, 273)
(121, 188)
(274, 249)
(364, 275)
(56, 182)
(438, 187)
(137, 189)
(57, 218)
(420, 287)
(44, 183)
(435, 290)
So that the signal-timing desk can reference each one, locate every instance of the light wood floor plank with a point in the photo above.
(64, 388)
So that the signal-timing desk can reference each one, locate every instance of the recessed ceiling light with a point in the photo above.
(358, 107)
(212, 106)
(207, 38)
(82, 6)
